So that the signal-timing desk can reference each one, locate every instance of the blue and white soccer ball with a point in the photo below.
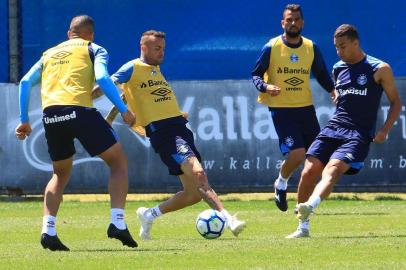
(210, 223)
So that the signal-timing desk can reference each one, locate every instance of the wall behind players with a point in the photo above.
(3, 41)
(234, 135)
(213, 39)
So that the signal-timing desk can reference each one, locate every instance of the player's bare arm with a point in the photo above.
(384, 76)
(97, 92)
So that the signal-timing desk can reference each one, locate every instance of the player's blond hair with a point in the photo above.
(150, 33)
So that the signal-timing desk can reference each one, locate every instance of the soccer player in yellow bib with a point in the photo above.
(154, 103)
(282, 75)
(67, 73)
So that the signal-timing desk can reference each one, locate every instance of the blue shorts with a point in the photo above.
(174, 145)
(347, 145)
(296, 127)
(63, 124)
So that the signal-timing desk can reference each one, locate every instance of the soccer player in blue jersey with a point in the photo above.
(282, 76)
(343, 144)
(67, 73)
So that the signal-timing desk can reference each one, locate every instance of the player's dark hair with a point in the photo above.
(347, 30)
(80, 23)
(293, 8)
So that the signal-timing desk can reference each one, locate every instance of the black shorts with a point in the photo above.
(296, 127)
(62, 124)
(174, 145)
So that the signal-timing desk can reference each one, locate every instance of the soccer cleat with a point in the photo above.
(280, 199)
(303, 211)
(123, 235)
(236, 226)
(52, 243)
(299, 233)
(146, 225)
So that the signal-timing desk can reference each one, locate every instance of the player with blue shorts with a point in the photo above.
(282, 76)
(343, 144)
(154, 103)
(67, 73)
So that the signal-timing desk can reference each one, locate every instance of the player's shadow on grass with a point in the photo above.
(353, 214)
(372, 236)
(129, 250)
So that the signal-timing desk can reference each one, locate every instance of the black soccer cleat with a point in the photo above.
(52, 243)
(280, 199)
(123, 235)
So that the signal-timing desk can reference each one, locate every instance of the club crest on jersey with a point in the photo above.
(294, 58)
(289, 141)
(362, 79)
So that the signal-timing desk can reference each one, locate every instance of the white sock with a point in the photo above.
(152, 213)
(48, 225)
(281, 182)
(227, 215)
(314, 201)
(117, 218)
(304, 225)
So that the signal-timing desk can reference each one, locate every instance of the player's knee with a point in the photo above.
(332, 172)
(308, 175)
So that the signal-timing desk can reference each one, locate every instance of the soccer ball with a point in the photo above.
(210, 223)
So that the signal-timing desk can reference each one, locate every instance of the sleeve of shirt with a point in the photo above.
(124, 73)
(30, 79)
(260, 68)
(101, 59)
(320, 71)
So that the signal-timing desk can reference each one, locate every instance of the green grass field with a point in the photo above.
(345, 234)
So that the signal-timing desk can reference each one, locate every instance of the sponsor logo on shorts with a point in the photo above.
(62, 118)
(183, 149)
(349, 156)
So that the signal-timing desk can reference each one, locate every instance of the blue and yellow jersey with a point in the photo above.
(68, 74)
(147, 92)
(358, 95)
(288, 67)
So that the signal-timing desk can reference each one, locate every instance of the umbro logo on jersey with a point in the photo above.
(162, 92)
(61, 55)
(294, 81)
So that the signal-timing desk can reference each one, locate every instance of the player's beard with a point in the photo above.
(293, 34)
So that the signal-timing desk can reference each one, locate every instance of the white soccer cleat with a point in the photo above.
(146, 225)
(236, 226)
(303, 211)
(299, 233)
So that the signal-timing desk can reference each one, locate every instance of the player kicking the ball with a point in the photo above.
(166, 128)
